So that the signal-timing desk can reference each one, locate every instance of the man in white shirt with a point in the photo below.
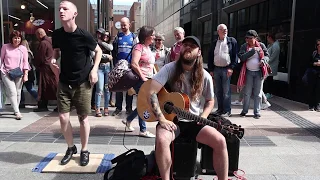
(221, 61)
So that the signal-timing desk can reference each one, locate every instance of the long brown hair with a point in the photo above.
(196, 80)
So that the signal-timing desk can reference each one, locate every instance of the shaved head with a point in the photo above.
(73, 6)
(125, 20)
(125, 25)
(40, 33)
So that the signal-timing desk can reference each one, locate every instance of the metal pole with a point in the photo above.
(98, 13)
(2, 32)
(291, 37)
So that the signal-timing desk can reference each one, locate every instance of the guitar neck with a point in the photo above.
(189, 116)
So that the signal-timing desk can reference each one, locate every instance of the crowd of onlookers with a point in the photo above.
(147, 54)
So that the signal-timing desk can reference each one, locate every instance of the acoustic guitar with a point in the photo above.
(175, 106)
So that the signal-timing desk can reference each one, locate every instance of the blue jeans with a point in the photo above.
(134, 114)
(102, 86)
(222, 89)
(253, 85)
(30, 89)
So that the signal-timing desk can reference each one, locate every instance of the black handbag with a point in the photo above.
(16, 72)
(122, 77)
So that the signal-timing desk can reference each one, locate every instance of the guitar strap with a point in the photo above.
(168, 87)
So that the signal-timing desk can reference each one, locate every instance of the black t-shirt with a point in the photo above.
(75, 50)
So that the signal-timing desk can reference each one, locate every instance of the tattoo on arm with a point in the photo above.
(155, 105)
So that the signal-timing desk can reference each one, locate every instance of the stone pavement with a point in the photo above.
(283, 144)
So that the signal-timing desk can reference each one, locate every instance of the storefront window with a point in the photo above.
(27, 16)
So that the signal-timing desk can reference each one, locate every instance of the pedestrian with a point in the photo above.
(77, 76)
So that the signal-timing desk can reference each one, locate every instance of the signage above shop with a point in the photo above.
(38, 22)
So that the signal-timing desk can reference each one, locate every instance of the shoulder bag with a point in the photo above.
(122, 77)
(16, 72)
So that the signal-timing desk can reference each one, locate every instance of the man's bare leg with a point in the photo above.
(84, 131)
(211, 137)
(66, 128)
(163, 154)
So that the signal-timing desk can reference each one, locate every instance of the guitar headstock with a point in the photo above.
(234, 129)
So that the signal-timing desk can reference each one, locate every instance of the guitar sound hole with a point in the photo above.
(168, 107)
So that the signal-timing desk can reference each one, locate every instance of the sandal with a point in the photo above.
(98, 113)
(106, 112)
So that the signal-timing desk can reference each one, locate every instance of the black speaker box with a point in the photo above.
(184, 158)
(233, 146)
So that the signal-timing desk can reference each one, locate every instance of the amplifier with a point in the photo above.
(233, 146)
(185, 156)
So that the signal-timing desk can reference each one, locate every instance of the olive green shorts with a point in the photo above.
(78, 96)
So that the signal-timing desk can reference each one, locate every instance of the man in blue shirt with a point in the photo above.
(122, 46)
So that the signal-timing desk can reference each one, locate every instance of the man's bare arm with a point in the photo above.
(97, 58)
(208, 106)
(156, 107)
(155, 87)
(56, 53)
(55, 56)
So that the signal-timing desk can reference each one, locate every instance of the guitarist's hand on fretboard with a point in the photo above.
(168, 125)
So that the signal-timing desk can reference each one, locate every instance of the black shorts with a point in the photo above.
(188, 130)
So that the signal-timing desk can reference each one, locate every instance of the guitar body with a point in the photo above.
(145, 110)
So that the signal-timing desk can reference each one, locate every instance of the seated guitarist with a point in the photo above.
(187, 76)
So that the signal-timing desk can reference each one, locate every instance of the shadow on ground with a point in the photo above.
(15, 157)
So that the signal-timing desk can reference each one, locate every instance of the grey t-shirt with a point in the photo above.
(166, 73)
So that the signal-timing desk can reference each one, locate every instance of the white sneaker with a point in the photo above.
(237, 103)
(265, 105)
(147, 134)
(129, 128)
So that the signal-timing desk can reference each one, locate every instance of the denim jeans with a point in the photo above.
(102, 86)
(119, 100)
(134, 114)
(253, 85)
(222, 89)
(30, 89)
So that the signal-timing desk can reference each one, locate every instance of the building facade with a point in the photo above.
(135, 19)
(119, 11)
(293, 22)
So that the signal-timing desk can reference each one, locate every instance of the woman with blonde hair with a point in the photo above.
(14, 69)
(31, 77)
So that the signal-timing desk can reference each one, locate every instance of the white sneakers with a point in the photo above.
(129, 128)
(237, 103)
(147, 134)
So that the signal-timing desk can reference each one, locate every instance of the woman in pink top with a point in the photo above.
(14, 55)
(142, 63)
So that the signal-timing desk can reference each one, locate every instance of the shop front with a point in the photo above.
(27, 16)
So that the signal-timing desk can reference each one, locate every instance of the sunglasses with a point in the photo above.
(158, 39)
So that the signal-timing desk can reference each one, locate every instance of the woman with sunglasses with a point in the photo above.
(314, 82)
(104, 68)
(159, 50)
(142, 63)
(253, 54)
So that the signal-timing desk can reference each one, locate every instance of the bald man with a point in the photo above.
(48, 75)
(122, 46)
(77, 76)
